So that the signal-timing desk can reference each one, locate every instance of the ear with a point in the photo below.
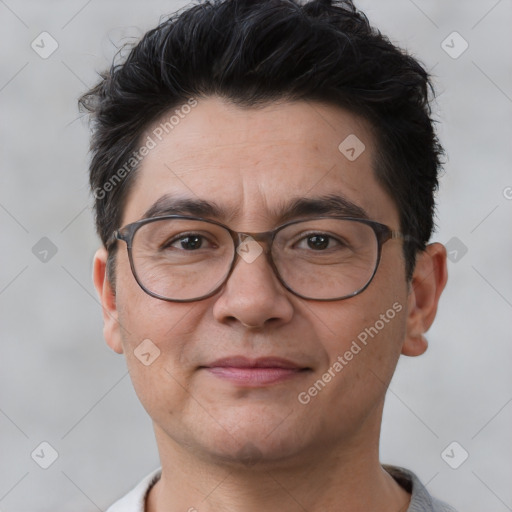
(111, 329)
(428, 281)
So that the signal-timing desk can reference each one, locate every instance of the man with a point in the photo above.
(263, 174)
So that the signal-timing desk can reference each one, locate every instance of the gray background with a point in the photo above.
(60, 383)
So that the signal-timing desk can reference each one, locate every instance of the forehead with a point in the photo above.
(253, 163)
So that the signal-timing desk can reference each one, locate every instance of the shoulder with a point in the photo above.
(421, 500)
(135, 499)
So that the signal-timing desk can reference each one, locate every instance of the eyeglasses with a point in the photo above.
(182, 259)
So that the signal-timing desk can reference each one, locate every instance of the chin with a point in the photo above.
(251, 444)
(252, 454)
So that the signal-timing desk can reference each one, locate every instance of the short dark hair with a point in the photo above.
(253, 52)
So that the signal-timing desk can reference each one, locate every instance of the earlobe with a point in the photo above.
(414, 345)
(428, 281)
(111, 329)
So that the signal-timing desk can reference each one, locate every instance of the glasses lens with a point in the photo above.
(326, 258)
(181, 259)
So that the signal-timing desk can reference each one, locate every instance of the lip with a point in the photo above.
(255, 372)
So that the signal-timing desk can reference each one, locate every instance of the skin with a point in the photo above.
(322, 456)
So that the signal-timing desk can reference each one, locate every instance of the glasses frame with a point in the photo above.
(382, 232)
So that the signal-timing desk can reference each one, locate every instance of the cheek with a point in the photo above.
(364, 340)
(153, 349)
(154, 334)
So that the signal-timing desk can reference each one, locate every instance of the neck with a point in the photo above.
(325, 479)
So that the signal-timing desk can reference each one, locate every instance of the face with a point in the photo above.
(252, 164)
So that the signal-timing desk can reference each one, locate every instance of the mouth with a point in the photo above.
(255, 372)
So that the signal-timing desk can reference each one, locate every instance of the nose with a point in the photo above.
(252, 295)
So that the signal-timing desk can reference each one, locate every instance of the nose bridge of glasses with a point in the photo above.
(263, 238)
(258, 247)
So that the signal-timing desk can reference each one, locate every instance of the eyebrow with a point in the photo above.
(332, 204)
